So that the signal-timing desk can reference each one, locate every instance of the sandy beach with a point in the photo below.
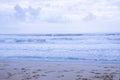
(41, 70)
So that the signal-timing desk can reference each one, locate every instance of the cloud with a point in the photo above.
(89, 17)
(26, 14)
(56, 19)
(63, 11)
(20, 13)
(6, 19)
(72, 12)
(33, 12)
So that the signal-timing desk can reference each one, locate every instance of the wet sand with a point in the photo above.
(41, 70)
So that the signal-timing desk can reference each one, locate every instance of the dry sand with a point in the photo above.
(39, 70)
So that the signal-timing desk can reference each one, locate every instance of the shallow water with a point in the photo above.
(61, 47)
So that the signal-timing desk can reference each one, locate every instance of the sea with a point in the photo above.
(61, 47)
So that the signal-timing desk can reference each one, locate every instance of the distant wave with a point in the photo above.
(17, 40)
(56, 58)
(86, 34)
(61, 38)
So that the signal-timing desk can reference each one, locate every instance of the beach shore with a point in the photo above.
(41, 70)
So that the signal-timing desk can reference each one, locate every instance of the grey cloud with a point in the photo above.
(6, 18)
(56, 19)
(33, 12)
(89, 17)
(118, 4)
(115, 2)
(19, 13)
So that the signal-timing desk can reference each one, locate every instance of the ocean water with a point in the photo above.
(60, 47)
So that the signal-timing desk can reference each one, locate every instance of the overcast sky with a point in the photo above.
(59, 16)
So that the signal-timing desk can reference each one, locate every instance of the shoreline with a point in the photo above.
(65, 61)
